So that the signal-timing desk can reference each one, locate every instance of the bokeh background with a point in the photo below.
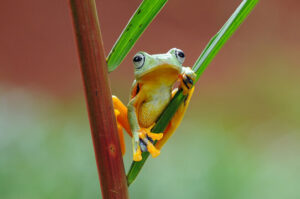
(239, 139)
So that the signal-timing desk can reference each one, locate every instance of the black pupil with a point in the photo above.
(137, 58)
(181, 54)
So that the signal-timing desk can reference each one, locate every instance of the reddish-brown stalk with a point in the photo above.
(99, 103)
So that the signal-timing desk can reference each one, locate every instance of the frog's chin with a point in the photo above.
(160, 69)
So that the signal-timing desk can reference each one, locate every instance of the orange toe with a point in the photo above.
(155, 136)
(152, 150)
(137, 156)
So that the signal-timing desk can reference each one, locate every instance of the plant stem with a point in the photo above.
(98, 97)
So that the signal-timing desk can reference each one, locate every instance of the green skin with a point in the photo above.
(156, 90)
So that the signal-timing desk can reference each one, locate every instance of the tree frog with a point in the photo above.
(152, 90)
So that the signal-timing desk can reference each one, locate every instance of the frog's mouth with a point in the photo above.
(166, 67)
(162, 69)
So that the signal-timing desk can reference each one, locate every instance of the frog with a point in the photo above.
(153, 88)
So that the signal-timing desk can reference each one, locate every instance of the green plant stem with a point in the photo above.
(213, 47)
(98, 97)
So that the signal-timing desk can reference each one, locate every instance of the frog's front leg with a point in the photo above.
(187, 79)
(176, 119)
(132, 118)
(142, 139)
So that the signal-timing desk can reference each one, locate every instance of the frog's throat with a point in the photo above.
(161, 67)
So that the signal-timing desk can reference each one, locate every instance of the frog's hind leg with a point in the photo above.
(120, 132)
(177, 118)
(122, 122)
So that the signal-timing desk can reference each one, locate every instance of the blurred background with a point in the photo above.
(239, 139)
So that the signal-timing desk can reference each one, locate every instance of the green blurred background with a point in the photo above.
(239, 139)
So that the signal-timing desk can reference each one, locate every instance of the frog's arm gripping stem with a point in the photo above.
(176, 120)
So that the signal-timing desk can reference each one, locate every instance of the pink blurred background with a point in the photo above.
(38, 50)
(240, 136)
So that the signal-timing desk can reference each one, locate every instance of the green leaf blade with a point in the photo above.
(135, 168)
(133, 30)
(212, 48)
(217, 42)
(160, 126)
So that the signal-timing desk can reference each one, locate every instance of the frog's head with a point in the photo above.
(145, 63)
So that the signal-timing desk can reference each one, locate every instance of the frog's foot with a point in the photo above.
(187, 80)
(152, 150)
(137, 155)
(155, 136)
(151, 136)
(146, 142)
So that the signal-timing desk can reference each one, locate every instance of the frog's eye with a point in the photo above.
(139, 60)
(180, 55)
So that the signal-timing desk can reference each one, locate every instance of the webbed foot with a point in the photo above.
(152, 150)
(137, 155)
(147, 139)
(187, 80)
(153, 136)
